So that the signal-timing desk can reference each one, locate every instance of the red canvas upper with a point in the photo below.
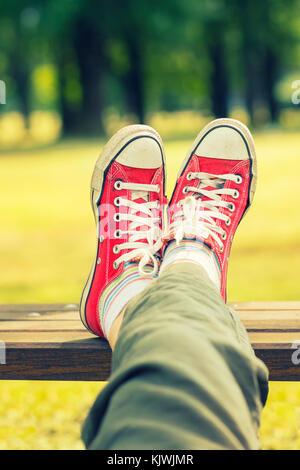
(104, 272)
(217, 166)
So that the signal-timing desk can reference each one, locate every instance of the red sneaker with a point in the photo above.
(127, 196)
(214, 189)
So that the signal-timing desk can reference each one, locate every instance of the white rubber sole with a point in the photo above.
(108, 154)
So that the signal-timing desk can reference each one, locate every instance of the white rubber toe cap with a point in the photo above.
(142, 152)
(223, 142)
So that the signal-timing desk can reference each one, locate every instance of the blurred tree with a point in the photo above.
(146, 29)
(215, 26)
(16, 24)
(266, 39)
(245, 15)
(78, 32)
(279, 42)
(89, 47)
(69, 87)
(143, 56)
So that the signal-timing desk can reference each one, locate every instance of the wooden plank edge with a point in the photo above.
(56, 364)
(93, 364)
(280, 364)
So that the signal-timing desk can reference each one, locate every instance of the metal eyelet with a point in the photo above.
(224, 235)
(117, 234)
(228, 221)
(117, 217)
(236, 194)
(239, 179)
(115, 265)
(221, 249)
(185, 190)
(116, 249)
(117, 201)
(231, 207)
(189, 176)
(117, 185)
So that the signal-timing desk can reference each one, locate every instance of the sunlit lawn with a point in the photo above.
(47, 242)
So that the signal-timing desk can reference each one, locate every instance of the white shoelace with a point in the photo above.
(198, 217)
(153, 235)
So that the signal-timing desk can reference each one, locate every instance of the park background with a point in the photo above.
(76, 71)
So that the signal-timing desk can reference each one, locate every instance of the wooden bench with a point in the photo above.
(48, 342)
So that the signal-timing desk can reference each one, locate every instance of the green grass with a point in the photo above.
(47, 243)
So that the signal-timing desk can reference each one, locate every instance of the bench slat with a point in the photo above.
(48, 341)
(262, 323)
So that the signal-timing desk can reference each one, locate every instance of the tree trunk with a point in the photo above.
(69, 115)
(219, 82)
(250, 79)
(134, 80)
(20, 71)
(89, 50)
(270, 78)
(250, 59)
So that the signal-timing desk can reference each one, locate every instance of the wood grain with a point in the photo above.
(48, 341)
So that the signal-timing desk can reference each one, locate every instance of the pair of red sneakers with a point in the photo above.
(214, 188)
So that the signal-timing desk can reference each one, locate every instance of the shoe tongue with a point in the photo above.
(140, 196)
(139, 175)
(217, 166)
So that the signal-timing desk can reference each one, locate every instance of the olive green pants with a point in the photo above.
(184, 375)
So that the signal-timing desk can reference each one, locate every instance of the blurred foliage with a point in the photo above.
(82, 58)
